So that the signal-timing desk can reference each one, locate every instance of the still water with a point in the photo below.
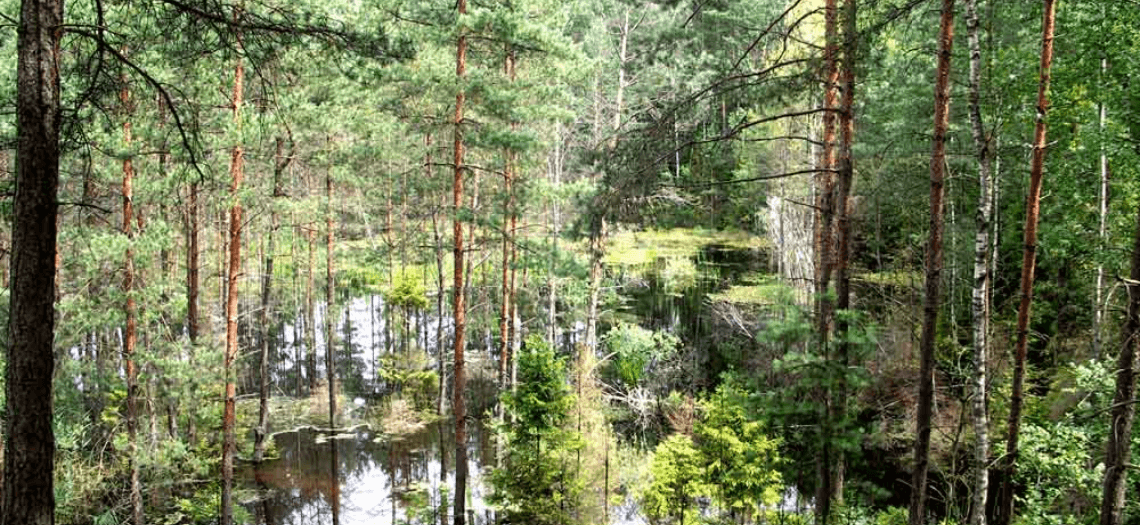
(377, 479)
(362, 475)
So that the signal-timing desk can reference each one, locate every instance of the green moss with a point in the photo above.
(891, 278)
(643, 248)
(756, 289)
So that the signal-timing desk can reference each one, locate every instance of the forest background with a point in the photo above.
(934, 326)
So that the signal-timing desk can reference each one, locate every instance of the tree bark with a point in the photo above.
(281, 162)
(330, 300)
(130, 312)
(980, 312)
(845, 178)
(29, 450)
(1123, 411)
(1102, 232)
(460, 385)
(825, 203)
(508, 207)
(933, 267)
(192, 286)
(1028, 262)
(229, 446)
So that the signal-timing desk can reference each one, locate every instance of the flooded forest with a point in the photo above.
(590, 262)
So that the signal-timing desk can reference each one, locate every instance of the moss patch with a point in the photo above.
(643, 248)
(757, 289)
(901, 278)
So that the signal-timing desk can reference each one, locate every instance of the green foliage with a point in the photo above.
(729, 458)
(407, 292)
(635, 349)
(677, 480)
(537, 484)
(1061, 484)
(411, 376)
(739, 459)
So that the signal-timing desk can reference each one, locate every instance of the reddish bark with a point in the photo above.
(1028, 262)
(460, 384)
(933, 268)
(229, 445)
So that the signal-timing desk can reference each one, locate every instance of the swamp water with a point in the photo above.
(362, 475)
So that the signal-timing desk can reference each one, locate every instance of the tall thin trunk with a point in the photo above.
(825, 204)
(229, 446)
(330, 300)
(843, 233)
(1029, 260)
(980, 312)
(311, 311)
(1102, 231)
(130, 311)
(623, 57)
(460, 385)
(597, 243)
(555, 233)
(505, 303)
(597, 251)
(29, 450)
(933, 267)
(192, 283)
(440, 290)
(281, 162)
(1118, 453)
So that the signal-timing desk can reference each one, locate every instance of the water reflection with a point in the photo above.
(372, 479)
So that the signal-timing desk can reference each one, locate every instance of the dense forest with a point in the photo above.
(535, 262)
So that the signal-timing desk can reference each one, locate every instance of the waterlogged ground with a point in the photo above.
(363, 476)
(379, 468)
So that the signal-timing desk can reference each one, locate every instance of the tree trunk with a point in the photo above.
(933, 267)
(130, 311)
(330, 300)
(1102, 232)
(980, 313)
(311, 311)
(597, 240)
(1123, 411)
(1029, 260)
(192, 282)
(29, 449)
(505, 304)
(825, 202)
(281, 162)
(229, 446)
(440, 290)
(460, 385)
(843, 233)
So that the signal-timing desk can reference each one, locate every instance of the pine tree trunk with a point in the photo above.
(229, 446)
(555, 232)
(29, 450)
(281, 162)
(1028, 262)
(330, 300)
(440, 291)
(310, 310)
(505, 303)
(980, 314)
(192, 284)
(460, 385)
(1123, 412)
(825, 203)
(843, 234)
(933, 268)
(130, 311)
